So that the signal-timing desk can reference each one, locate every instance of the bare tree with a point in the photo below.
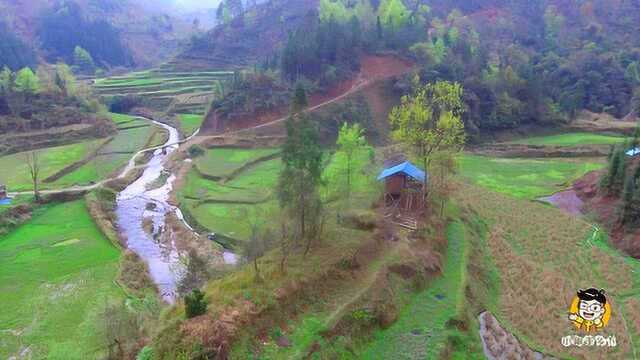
(34, 170)
(285, 245)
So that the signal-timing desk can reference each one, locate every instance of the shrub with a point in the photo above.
(195, 304)
(195, 151)
(145, 354)
(124, 104)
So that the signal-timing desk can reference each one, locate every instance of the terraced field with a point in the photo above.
(165, 89)
(525, 178)
(57, 276)
(246, 179)
(52, 160)
(69, 165)
(543, 256)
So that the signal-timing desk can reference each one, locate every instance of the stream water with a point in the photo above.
(143, 201)
(132, 209)
(567, 201)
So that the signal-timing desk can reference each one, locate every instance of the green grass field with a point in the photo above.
(572, 139)
(17, 177)
(227, 203)
(524, 178)
(133, 135)
(223, 162)
(57, 274)
(189, 123)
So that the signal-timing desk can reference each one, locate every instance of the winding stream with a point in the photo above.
(132, 209)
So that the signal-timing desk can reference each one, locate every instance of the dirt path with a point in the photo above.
(374, 68)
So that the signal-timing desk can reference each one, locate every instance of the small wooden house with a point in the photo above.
(403, 187)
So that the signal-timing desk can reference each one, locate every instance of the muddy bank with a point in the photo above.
(606, 211)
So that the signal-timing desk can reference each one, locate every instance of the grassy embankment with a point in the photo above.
(56, 277)
(225, 184)
(571, 139)
(133, 135)
(163, 88)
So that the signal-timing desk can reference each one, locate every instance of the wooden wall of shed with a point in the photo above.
(394, 184)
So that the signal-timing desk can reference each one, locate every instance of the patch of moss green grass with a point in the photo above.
(524, 178)
(16, 173)
(420, 331)
(189, 123)
(572, 139)
(222, 162)
(57, 274)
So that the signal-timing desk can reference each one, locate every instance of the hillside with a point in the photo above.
(135, 34)
(247, 39)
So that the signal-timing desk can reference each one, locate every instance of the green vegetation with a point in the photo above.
(187, 94)
(112, 154)
(218, 207)
(26, 82)
(428, 122)
(524, 178)
(195, 304)
(541, 251)
(572, 139)
(189, 123)
(223, 162)
(52, 160)
(57, 274)
(421, 329)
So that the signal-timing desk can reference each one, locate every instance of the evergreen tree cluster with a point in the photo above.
(622, 179)
(328, 51)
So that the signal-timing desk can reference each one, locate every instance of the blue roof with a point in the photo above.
(405, 168)
(634, 152)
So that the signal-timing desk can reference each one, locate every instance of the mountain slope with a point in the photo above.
(116, 32)
(247, 39)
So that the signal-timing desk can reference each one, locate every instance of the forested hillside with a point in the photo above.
(523, 62)
(114, 32)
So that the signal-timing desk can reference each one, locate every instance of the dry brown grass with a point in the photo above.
(544, 258)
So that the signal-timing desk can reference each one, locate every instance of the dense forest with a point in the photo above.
(14, 53)
(65, 27)
(519, 62)
(116, 33)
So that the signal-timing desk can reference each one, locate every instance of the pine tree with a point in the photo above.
(631, 199)
(613, 181)
(300, 101)
(302, 169)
